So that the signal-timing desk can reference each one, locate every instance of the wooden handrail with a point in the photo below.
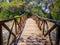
(7, 20)
(17, 25)
(50, 20)
(22, 20)
(44, 22)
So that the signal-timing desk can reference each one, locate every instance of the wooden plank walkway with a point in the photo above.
(32, 34)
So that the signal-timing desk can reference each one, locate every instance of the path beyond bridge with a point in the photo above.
(31, 34)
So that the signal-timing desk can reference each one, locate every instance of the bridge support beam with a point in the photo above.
(1, 38)
(58, 35)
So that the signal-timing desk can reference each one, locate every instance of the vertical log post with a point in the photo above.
(20, 24)
(43, 26)
(50, 39)
(1, 38)
(15, 27)
(58, 35)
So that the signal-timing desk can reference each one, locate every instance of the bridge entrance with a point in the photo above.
(34, 30)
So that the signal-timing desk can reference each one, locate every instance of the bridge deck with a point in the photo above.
(32, 34)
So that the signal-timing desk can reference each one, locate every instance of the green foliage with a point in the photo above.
(11, 9)
(55, 10)
(34, 10)
(12, 3)
(18, 7)
(4, 14)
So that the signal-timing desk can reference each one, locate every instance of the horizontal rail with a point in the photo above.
(50, 20)
(7, 20)
(42, 18)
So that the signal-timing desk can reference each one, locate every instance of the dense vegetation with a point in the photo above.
(11, 9)
(30, 7)
(55, 10)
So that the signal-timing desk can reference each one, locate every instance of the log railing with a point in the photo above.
(17, 24)
(43, 24)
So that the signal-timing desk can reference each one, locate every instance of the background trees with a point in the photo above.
(11, 9)
(55, 10)
(45, 8)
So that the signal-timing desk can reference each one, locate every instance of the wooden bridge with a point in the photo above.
(33, 30)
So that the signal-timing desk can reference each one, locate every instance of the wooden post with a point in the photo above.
(1, 38)
(15, 27)
(43, 26)
(50, 39)
(58, 35)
